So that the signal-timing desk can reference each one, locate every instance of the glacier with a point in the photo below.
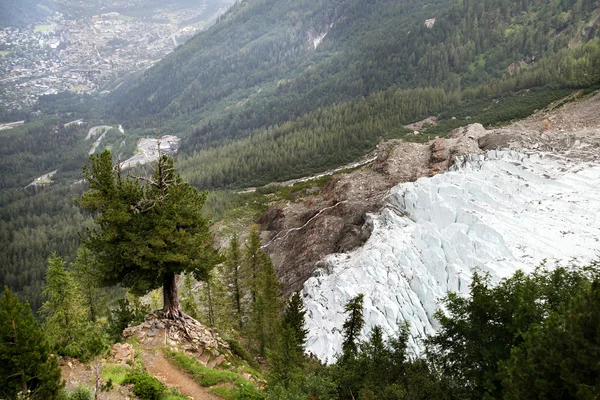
(495, 212)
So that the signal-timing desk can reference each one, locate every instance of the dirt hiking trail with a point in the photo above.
(162, 369)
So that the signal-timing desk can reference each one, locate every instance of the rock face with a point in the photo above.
(498, 212)
(300, 234)
(122, 353)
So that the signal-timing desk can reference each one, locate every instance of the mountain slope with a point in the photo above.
(23, 12)
(260, 64)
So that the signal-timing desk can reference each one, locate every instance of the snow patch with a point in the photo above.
(317, 41)
(497, 212)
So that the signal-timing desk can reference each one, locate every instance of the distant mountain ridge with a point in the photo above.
(23, 12)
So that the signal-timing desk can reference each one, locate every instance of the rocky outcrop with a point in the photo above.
(183, 334)
(122, 353)
(299, 234)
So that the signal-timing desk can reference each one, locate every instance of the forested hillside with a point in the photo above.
(338, 134)
(23, 12)
(260, 65)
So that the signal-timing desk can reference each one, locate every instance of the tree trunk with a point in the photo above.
(171, 307)
(238, 296)
(211, 309)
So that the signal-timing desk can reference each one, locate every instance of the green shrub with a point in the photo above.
(282, 393)
(314, 386)
(81, 393)
(173, 393)
(320, 386)
(203, 375)
(247, 391)
(145, 386)
(240, 351)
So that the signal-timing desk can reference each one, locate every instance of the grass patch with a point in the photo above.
(145, 386)
(245, 392)
(115, 373)
(203, 375)
(241, 389)
(44, 28)
(226, 392)
(173, 394)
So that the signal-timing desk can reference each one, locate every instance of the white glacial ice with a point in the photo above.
(497, 212)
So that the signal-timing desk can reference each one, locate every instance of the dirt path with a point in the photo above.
(369, 158)
(161, 368)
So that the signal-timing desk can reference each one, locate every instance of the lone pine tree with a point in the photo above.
(148, 229)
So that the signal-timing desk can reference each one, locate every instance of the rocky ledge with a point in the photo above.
(183, 334)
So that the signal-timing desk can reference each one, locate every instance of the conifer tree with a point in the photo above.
(254, 257)
(25, 360)
(128, 312)
(559, 356)
(353, 325)
(350, 366)
(376, 357)
(263, 291)
(149, 230)
(214, 302)
(65, 322)
(265, 317)
(86, 273)
(207, 297)
(285, 358)
(233, 278)
(188, 298)
(294, 318)
(284, 361)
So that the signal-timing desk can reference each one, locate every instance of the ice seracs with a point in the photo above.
(497, 212)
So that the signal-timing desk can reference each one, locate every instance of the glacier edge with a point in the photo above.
(497, 212)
